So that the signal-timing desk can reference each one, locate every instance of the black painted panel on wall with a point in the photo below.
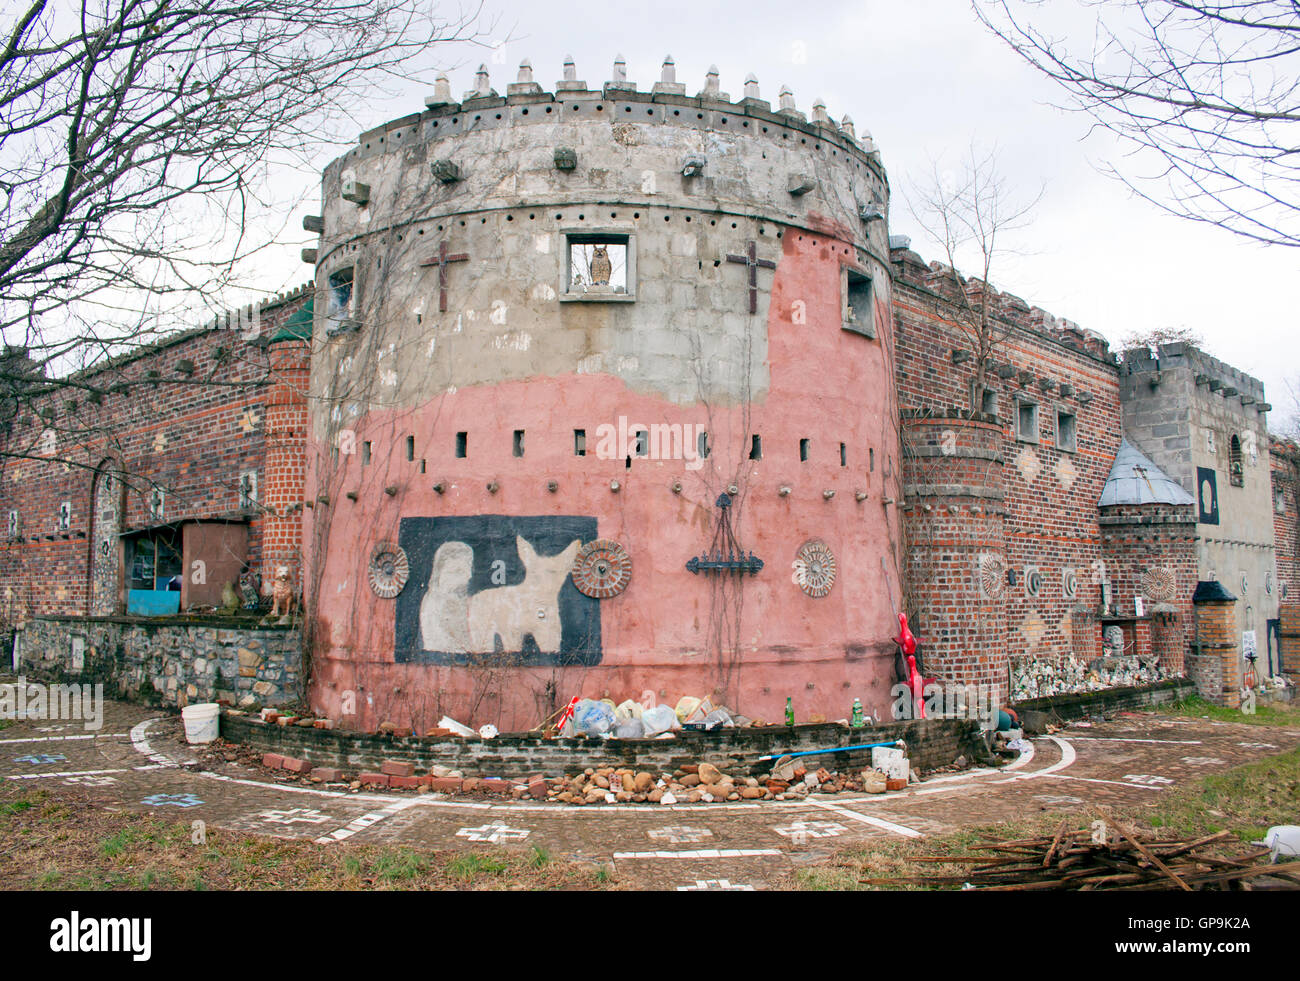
(1207, 495)
(495, 583)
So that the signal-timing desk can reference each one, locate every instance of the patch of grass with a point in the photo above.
(1265, 714)
(5, 724)
(400, 863)
(538, 857)
(470, 865)
(13, 807)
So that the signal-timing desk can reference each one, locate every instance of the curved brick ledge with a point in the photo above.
(931, 743)
(1035, 713)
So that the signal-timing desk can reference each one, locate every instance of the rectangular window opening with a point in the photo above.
(462, 445)
(340, 294)
(1067, 431)
(580, 442)
(1027, 422)
(756, 447)
(844, 455)
(518, 446)
(410, 448)
(804, 444)
(858, 315)
(643, 442)
(871, 460)
(365, 453)
(702, 446)
(598, 266)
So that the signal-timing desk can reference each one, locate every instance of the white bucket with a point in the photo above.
(202, 722)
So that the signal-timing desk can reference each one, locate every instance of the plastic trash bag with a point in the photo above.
(592, 718)
(659, 719)
(718, 717)
(628, 710)
(687, 707)
(631, 729)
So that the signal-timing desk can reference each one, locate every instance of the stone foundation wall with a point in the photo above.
(172, 664)
(931, 743)
(1034, 712)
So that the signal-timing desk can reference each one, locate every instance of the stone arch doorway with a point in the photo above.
(107, 504)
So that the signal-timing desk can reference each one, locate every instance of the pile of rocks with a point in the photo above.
(692, 783)
(696, 783)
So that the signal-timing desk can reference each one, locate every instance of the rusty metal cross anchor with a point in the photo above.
(441, 260)
(752, 262)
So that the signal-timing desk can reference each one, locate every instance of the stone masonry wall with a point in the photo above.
(169, 664)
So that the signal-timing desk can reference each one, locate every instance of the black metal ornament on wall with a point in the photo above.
(725, 554)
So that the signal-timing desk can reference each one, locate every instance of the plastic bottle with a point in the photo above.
(856, 722)
(789, 711)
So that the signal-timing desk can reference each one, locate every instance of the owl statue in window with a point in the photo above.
(600, 266)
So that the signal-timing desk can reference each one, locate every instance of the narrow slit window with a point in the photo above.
(1236, 469)
(518, 446)
(871, 459)
(410, 447)
(462, 445)
(702, 446)
(365, 453)
(580, 442)
(642, 442)
(804, 444)
(756, 447)
(844, 455)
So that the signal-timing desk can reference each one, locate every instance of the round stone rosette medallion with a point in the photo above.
(814, 568)
(1159, 583)
(602, 569)
(389, 570)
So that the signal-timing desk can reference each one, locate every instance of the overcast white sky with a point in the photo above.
(926, 79)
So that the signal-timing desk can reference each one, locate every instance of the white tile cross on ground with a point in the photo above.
(1146, 779)
(715, 884)
(1058, 799)
(1201, 760)
(800, 830)
(1257, 745)
(299, 815)
(494, 833)
(680, 835)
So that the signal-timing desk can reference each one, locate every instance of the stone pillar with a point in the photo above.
(1215, 664)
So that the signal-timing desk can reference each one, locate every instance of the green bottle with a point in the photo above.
(789, 711)
(856, 721)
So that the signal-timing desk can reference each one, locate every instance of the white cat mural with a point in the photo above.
(453, 622)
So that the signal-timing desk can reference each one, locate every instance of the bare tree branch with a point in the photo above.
(1205, 96)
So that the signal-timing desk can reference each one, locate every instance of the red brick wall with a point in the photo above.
(1049, 495)
(193, 418)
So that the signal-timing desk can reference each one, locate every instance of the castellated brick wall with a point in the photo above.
(1006, 551)
(201, 408)
(1284, 460)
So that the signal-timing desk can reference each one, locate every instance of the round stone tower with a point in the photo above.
(602, 403)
